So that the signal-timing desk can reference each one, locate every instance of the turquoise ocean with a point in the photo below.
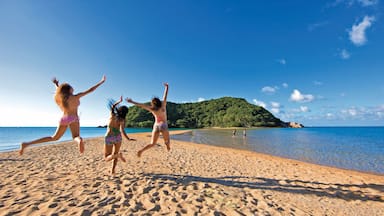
(11, 137)
(355, 148)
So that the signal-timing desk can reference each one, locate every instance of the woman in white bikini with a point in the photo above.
(113, 136)
(159, 111)
(69, 104)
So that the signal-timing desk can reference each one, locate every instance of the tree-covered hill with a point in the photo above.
(222, 112)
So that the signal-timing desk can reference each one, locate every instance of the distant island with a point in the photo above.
(223, 112)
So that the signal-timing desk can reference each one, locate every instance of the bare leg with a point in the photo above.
(80, 143)
(165, 134)
(122, 157)
(108, 156)
(155, 136)
(145, 148)
(56, 136)
(114, 163)
(75, 130)
(117, 150)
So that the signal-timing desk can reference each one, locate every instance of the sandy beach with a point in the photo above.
(191, 179)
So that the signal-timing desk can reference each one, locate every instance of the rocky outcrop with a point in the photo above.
(292, 125)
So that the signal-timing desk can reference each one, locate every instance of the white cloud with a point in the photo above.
(275, 110)
(357, 33)
(358, 115)
(363, 113)
(298, 97)
(304, 109)
(282, 61)
(366, 3)
(317, 83)
(349, 3)
(379, 111)
(285, 85)
(200, 99)
(276, 107)
(259, 103)
(329, 115)
(344, 54)
(352, 112)
(269, 89)
(275, 104)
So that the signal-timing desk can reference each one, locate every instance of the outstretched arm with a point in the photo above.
(122, 126)
(55, 81)
(165, 94)
(93, 88)
(146, 107)
(117, 102)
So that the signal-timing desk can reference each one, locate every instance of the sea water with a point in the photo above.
(356, 148)
(11, 137)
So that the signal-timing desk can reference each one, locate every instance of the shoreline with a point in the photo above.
(184, 131)
(191, 178)
(259, 154)
(277, 156)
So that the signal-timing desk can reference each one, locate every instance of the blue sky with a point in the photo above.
(319, 63)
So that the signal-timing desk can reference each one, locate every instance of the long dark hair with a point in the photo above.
(156, 103)
(118, 111)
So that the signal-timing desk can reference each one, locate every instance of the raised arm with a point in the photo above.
(165, 94)
(116, 103)
(146, 107)
(93, 88)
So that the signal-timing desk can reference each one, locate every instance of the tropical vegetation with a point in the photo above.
(222, 112)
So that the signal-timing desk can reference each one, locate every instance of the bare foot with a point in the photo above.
(22, 147)
(81, 146)
(121, 157)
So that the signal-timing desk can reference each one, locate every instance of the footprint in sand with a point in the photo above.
(53, 205)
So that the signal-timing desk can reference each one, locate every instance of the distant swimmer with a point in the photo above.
(234, 133)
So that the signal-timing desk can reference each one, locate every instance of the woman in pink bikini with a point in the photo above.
(113, 136)
(69, 104)
(158, 110)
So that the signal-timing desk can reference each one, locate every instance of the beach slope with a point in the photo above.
(191, 179)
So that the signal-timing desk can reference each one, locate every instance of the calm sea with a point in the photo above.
(11, 137)
(356, 148)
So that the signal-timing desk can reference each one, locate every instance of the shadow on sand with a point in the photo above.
(341, 191)
(13, 159)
